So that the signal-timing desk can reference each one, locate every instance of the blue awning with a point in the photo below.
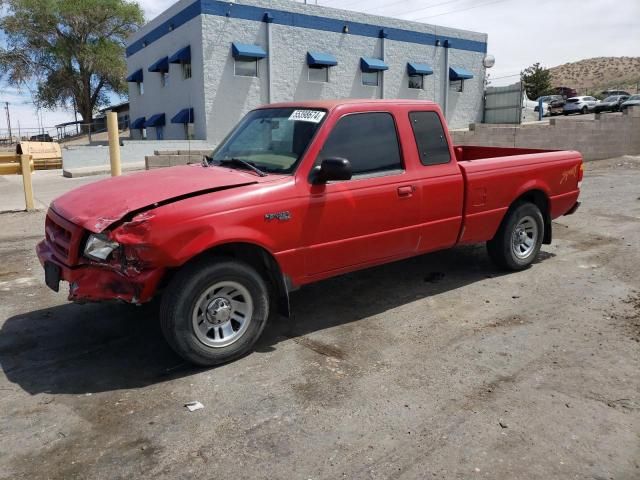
(317, 59)
(138, 123)
(372, 65)
(459, 73)
(415, 69)
(183, 116)
(161, 66)
(156, 120)
(244, 51)
(181, 56)
(136, 76)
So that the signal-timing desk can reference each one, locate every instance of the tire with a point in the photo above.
(509, 253)
(565, 113)
(585, 110)
(214, 311)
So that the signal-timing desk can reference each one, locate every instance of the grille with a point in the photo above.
(64, 237)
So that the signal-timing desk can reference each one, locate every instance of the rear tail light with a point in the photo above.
(580, 174)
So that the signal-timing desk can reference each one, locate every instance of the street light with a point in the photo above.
(489, 61)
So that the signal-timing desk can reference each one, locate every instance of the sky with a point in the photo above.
(521, 32)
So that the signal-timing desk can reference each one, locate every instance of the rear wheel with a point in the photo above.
(585, 110)
(215, 311)
(519, 238)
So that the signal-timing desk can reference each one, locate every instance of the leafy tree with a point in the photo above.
(536, 81)
(70, 51)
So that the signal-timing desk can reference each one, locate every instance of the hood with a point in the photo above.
(97, 205)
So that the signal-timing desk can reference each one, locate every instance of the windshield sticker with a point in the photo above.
(313, 116)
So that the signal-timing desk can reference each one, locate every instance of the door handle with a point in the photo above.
(406, 191)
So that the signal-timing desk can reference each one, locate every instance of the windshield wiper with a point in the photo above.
(243, 163)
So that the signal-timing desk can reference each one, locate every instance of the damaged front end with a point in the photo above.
(114, 264)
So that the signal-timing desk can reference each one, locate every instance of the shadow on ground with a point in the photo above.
(74, 349)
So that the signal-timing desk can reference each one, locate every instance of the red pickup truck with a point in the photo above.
(296, 193)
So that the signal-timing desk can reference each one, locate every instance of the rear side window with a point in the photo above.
(430, 138)
(368, 140)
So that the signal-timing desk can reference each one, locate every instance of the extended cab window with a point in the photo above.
(368, 140)
(430, 138)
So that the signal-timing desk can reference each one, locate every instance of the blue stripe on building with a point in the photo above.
(302, 20)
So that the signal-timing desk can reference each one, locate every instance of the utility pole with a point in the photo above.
(6, 107)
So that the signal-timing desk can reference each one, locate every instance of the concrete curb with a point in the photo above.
(100, 170)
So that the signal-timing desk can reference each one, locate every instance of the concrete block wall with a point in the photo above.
(608, 135)
(172, 158)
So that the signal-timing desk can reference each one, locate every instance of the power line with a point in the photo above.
(422, 8)
(505, 76)
(461, 10)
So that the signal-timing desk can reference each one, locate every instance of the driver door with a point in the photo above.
(370, 218)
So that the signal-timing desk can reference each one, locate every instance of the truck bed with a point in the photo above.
(473, 152)
(495, 176)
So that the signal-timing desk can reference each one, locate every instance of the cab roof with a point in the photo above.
(331, 104)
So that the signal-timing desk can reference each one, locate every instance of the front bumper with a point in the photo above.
(92, 282)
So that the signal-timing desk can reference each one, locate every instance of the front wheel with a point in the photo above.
(519, 238)
(214, 311)
(585, 110)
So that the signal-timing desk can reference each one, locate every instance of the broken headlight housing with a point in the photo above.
(99, 247)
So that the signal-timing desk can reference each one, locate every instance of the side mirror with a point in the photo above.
(331, 169)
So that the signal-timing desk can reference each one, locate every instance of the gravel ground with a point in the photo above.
(434, 367)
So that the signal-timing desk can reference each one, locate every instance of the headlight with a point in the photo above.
(99, 247)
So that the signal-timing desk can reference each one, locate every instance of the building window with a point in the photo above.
(371, 79)
(164, 79)
(416, 81)
(246, 68)
(318, 74)
(186, 71)
(140, 88)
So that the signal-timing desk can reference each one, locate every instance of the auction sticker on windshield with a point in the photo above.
(313, 116)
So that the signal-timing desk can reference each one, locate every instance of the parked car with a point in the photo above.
(298, 192)
(530, 108)
(579, 105)
(632, 101)
(611, 104)
(41, 137)
(566, 92)
(609, 93)
(554, 104)
(556, 107)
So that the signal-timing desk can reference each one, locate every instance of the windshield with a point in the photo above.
(634, 97)
(611, 99)
(271, 139)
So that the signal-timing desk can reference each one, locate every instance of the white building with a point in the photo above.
(197, 68)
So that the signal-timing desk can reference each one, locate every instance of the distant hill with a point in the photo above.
(593, 75)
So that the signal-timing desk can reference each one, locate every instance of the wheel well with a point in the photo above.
(540, 200)
(260, 259)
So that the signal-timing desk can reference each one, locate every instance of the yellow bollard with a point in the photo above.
(25, 164)
(114, 143)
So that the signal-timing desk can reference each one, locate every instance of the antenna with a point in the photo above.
(189, 120)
